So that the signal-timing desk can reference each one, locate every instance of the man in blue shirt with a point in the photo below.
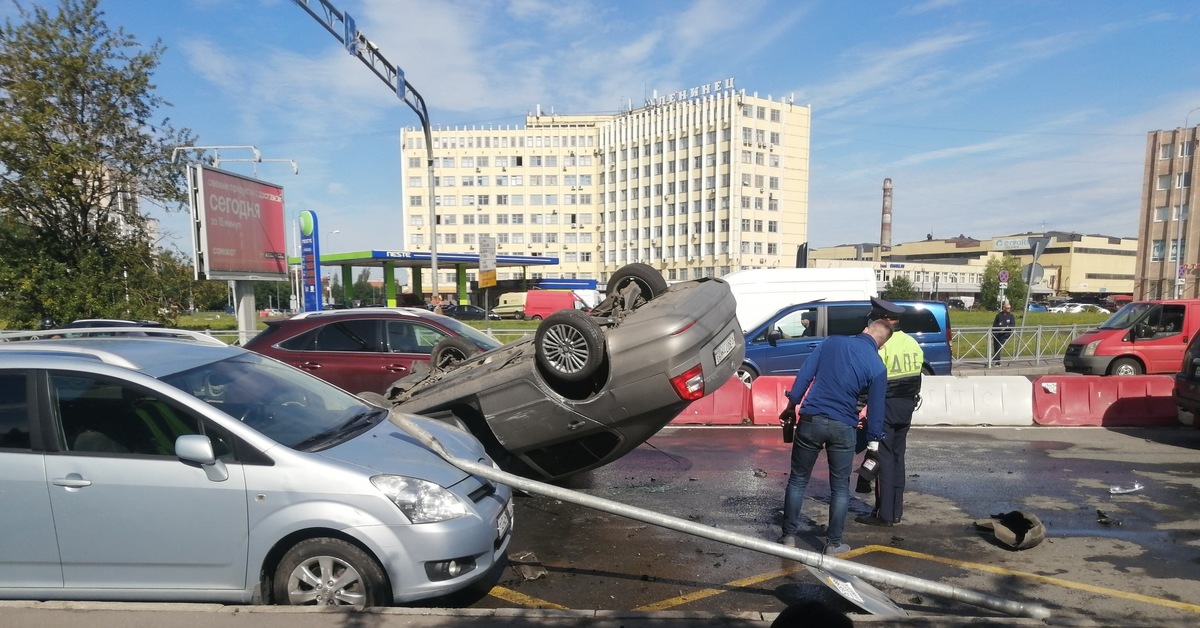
(839, 370)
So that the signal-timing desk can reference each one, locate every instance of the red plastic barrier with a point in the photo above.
(1108, 401)
(727, 406)
(767, 398)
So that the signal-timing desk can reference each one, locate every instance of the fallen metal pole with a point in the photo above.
(806, 557)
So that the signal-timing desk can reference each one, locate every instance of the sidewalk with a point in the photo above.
(1025, 366)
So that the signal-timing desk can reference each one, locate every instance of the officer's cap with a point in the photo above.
(881, 308)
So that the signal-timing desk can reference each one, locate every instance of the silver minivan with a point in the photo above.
(155, 469)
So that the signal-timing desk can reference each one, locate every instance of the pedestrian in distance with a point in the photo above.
(904, 360)
(839, 370)
(1002, 329)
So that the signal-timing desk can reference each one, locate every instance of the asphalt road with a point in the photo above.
(575, 566)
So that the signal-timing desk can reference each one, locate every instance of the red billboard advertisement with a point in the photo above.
(239, 226)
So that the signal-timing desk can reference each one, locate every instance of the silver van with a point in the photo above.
(156, 469)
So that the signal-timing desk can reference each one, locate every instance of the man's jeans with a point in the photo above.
(837, 439)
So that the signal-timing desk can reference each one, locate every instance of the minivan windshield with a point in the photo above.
(285, 404)
(1127, 316)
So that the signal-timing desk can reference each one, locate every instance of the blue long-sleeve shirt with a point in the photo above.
(841, 369)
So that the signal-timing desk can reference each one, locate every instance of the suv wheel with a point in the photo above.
(570, 345)
(649, 280)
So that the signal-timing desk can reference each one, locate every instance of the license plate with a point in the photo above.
(504, 521)
(724, 349)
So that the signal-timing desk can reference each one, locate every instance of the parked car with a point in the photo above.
(780, 344)
(364, 349)
(585, 389)
(1038, 306)
(1143, 337)
(467, 312)
(1078, 308)
(153, 469)
(540, 304)
(1186, 391)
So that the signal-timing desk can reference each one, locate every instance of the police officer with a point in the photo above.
(903, 358)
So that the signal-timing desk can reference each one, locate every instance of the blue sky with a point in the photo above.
(991, 117)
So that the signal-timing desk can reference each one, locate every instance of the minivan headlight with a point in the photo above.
(420, 500)
(1090, 348)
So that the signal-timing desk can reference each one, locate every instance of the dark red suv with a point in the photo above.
(363, 349)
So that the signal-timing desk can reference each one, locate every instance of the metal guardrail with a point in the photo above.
(971, 346)
(1037, 345)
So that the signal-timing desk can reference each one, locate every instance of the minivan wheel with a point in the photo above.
(449, 352)
(330, 572)
(747, 374)
(570, 345)
(1125, 366)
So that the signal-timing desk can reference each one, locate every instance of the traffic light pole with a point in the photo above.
(343, 28)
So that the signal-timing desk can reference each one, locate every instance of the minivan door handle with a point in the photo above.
(73, 480)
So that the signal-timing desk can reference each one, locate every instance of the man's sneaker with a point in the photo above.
(834, 550)
(788, 540)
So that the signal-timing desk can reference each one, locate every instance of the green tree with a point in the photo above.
(79, 149)
(989, 288)
(899, 289)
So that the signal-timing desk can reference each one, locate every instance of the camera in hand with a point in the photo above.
(788, 420)
(869, 467)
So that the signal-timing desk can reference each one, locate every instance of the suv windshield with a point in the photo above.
(285, 404)
(1127, 316)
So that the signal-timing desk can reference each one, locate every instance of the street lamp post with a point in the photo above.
(331, 272)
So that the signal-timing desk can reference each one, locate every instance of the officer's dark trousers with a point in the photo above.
(889, 483)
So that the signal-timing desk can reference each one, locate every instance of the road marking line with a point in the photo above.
(508, 595)
(707, 593)
(1040, 578)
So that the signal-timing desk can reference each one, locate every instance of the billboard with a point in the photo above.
(238, 226)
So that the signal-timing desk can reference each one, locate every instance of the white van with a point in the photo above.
(762, 292)
(511, 305)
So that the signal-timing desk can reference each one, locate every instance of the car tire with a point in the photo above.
(647, 278)
(570, 345)
(520, 316)
(1125, 366)
(363, 582)
(449, 352)
(747, 374)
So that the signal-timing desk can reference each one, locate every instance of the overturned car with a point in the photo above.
(586, 388)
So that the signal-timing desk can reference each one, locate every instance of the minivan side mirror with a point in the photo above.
(198, 450)
(773, 336)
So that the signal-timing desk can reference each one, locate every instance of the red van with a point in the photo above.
(1143, 337)
(542, 303)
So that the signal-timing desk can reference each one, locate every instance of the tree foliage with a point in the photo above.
(899, 289)
(80, 149)
(989, 288)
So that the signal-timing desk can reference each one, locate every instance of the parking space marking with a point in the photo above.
(527, 601)
(1184, 606)
(706, 593)
(509, 595)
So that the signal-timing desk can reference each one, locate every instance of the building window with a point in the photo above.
(1183, 180)
(414, 201)
(1164, 182)
(1186, 148)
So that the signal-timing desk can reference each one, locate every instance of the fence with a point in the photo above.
(1043, 344)
(1032, 345)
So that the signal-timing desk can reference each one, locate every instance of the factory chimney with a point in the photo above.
(885, 227)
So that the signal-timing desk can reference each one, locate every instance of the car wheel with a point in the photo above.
(570, 345)
(448, 352)
(520, 316)
(330, 572)
(1125, 366)
(646, 277)
(535, 317)
(747, 374)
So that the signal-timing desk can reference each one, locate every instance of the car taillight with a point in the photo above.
(689, 385)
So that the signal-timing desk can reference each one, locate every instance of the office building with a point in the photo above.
(1168, 260)
(699, 182)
